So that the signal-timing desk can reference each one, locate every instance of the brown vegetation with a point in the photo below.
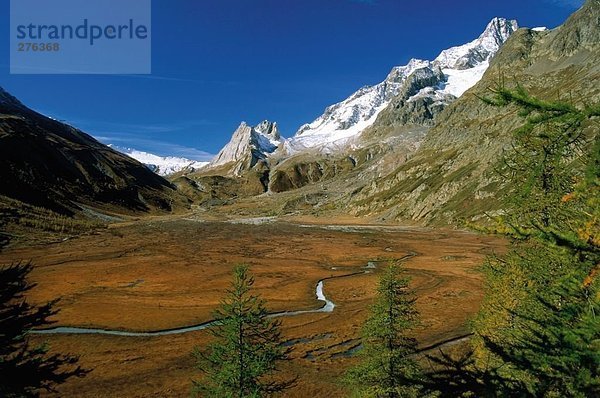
(167, 273)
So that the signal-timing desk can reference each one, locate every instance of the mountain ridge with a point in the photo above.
(47, 163)
(445, 78)
(421, 148)
(420, 164)
(451, 176)
(421, 88)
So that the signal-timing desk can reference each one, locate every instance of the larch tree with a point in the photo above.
(538, 331)
(387, 365)
(247, 346)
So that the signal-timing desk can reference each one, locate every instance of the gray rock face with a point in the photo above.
(580, 33)
(247, 147)
(268, 129)
(421, 111)
(429, 76)
(409, 108)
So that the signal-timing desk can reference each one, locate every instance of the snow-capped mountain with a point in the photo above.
(159, 164)
(248, 146)
(443, 80)
(480, 50)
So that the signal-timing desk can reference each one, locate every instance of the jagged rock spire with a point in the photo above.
(249, 145)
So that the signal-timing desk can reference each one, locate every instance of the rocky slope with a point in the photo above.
(49, 164)
(451, 176)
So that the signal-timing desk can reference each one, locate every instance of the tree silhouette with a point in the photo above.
(27, 369)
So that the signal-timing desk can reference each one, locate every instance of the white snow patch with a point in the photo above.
(162, 165)
(329, 136)
(459, 81)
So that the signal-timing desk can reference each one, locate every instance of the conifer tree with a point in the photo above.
(25, 370)
(387, 367)
(538, 332)
(247, 347)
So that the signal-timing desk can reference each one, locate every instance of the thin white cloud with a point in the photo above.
(150, 128)
(567, 3)
(131, 135)
(178, 79)
(90, 125)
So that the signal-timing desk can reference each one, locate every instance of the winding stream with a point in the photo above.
(327, 307)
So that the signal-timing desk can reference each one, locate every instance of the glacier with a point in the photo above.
(161, 165)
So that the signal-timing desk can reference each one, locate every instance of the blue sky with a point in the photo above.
(217, 63)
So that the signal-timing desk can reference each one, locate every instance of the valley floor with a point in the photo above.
(163, 273)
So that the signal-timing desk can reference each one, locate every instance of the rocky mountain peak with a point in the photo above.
(399, 73)
(248, 145)
(268, 129)
(480, 50)
(499, 30)
(579, 33)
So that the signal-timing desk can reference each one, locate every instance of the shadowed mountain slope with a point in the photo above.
(49, 164)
